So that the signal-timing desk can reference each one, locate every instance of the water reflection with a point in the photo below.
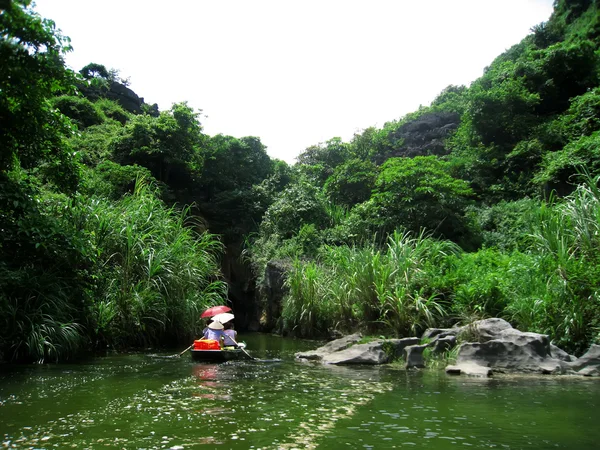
(138, 401)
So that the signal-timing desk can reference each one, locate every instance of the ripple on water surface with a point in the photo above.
(136, 401)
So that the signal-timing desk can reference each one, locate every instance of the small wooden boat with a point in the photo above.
(227, 354)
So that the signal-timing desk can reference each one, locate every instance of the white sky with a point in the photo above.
(293, 72)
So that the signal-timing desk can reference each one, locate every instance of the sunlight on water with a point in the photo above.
(145, 401)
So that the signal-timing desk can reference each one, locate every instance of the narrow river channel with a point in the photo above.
(143, 401)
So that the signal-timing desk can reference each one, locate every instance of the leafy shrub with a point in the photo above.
(367, 286)
(112, 110)
(351, 183)
(156, 273)
(419, 193)
(44, 274)
(559, 170)
(112, 181)
(506, 226)
(79, 109)
(299, 204)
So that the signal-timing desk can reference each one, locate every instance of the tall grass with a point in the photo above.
(568, 235)
(377, 288)
(43, 325)
(43, 277)
(306, 309)
(158, 273)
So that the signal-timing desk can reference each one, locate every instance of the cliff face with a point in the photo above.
(256, 308)
(128, 99)
(423, 136)
(119, 93)
(241, 292)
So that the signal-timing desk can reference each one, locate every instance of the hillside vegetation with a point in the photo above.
(121, 222)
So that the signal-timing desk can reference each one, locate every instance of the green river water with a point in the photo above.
(143, 401)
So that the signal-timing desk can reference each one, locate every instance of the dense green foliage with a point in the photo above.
(114, 218)
(92, 255)
(506, 168)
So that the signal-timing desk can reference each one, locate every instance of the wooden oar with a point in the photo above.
(242, 349)
(184, 351)
(176, 355)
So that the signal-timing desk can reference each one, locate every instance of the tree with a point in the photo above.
(94, 70)
(319, 161)
(32, 71)
(299, 204)
(351, 182)
(420, 193)
(169, 145)
(232, 167)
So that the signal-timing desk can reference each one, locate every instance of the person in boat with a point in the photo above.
(230, 338)
(214, 331)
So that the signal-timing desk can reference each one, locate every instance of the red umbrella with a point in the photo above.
(215, 310)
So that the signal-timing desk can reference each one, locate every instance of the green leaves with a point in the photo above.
(32, 71)
(169, 145)
(351, 182)
(301, 203)
(419, 193)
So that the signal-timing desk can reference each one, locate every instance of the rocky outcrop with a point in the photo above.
(241, 288)
(345, 351)
(487, 329)
(561, 354)
(272, 291)
(118, 92)
(128, 99)
(437, 333)
(331, 347)
(496, 347)
(443, 344)
(414, 356)
(425, 135)
(589, 364)
(502, 348)
(469, 369)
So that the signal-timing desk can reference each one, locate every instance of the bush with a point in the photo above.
(367, 287)
(112, 110)
(506, 226)
(79, 109)
(111, 180)
(299, 204)
(155, 273)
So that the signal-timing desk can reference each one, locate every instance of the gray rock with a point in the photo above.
(438, 333)
(128, 99)
(344, 351)
(558, 353)
(273, 290)
(588, 364)
(523, 355)
(414, 356)
(399, 345)
(506, 349)
(488, 329)
(331, 347)
(469, 369)
(371, 353)
(593, 371)
(376, 352)
(422, 136)
(443, 344)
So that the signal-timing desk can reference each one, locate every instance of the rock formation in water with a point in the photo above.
(346, 351)
(493, 346)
